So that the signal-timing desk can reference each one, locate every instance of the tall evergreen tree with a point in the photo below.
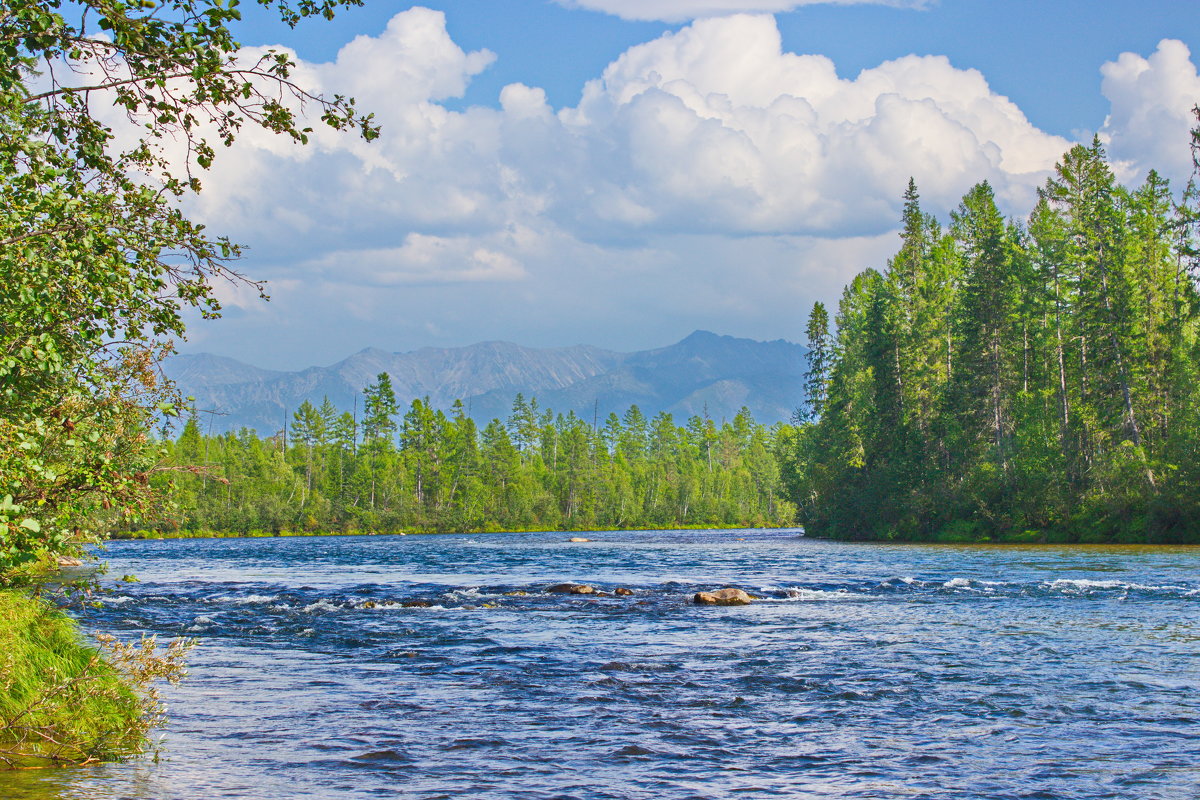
(820, 358)
(1002, 381)
(379, 409)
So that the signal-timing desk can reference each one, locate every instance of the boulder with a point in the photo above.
(67, 561)
(723, 597)
(571, 588)
(622, 591)
(578, 539)
(416, 604)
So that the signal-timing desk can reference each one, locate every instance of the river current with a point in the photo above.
(864, 671)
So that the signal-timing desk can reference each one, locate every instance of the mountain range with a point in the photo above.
(703, 373)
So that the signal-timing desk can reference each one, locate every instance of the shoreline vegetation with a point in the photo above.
(429, 471)
(1005, 380)
(67, 701)
(124, 536)
(1061, 538)
(101, 267)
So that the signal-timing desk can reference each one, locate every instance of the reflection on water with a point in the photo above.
(862, 672)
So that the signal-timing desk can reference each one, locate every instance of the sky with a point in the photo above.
(623, 172)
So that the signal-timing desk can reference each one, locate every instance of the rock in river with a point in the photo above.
(722, 597)
(571, 588)
(578, 539)
(622, 592)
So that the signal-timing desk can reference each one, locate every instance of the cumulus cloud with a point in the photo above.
(707, 168)
(680, 10)
(1152, 100)
(717, 127)
(709, 129)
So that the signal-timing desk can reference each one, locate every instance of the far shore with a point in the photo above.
(1043, 540)
(258, 534)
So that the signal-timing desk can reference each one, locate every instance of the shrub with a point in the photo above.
(64, 701)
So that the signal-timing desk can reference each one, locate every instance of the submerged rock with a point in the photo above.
(416, 604)
(571, 588)
(578, 539)
(621, 591)
(723, 597)
(634, 750)
(368, 604)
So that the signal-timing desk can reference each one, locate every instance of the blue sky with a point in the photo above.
(720, 174)
(1043, 54)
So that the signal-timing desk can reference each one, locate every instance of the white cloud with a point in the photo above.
(681, 10)
(710, 129)
(706, 175)
(1152, 101)
(422, 259)
(715, 127)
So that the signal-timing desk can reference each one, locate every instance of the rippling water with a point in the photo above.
(866, 671)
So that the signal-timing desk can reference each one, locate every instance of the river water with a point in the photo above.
(866, 671)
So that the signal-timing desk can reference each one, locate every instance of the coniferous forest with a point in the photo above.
(419, 468)
(999, 380)
(1031, 380)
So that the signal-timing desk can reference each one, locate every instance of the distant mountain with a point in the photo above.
(704, 372)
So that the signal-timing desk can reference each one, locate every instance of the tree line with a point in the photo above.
(422, 468)
(1015, 380)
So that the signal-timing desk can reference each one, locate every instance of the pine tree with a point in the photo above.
(378, 430)
(820, 358)
(379, 410)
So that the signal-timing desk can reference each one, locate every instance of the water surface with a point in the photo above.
(866, 671)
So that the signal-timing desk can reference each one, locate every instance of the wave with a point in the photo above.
(1084, 584)
(801, 594)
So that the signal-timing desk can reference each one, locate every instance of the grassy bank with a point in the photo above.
(65, 701)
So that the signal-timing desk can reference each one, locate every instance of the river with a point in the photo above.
(865, 671)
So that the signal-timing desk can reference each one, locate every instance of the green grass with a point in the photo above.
(61, 701)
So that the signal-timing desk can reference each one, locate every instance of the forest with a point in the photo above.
(1006, 380)
(426, 470)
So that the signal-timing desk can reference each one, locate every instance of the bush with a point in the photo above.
(63, 701)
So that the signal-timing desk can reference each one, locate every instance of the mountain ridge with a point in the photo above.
(704, 372)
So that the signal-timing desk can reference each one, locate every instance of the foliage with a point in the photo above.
(436, 471)
(65, 702)
(109, 111)
(1011, 381)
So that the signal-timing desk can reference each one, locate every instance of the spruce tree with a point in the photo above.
(820, 358)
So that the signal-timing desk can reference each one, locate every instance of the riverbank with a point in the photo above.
(968, 532)
(259, 534)
(62, 700)
(953, 536)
